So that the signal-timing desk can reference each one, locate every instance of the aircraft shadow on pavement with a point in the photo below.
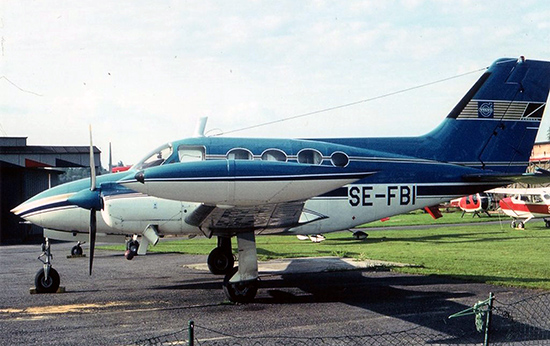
(388, 295)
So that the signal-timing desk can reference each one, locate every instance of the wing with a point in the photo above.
(271, 218)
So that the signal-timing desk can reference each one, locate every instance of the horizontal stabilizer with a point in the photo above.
(540, 176)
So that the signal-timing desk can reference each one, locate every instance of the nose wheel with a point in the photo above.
(46, 279)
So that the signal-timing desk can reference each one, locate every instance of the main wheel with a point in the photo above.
(547, 223)
(239, 292)
(131, 249)
(76, 250)
(360, 235)
(220, 261)
(47, 286)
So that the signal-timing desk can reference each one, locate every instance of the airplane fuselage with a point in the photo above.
(393, 184)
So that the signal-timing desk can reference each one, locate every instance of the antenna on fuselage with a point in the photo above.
(201, 126)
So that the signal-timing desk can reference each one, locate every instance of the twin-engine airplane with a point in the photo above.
(241, 187)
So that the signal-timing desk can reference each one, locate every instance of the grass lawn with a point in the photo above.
(492, 253)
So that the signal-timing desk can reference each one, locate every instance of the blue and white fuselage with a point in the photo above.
(244, 186)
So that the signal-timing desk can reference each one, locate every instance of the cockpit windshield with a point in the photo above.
(156, 158)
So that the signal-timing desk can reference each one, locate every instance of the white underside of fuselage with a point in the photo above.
(128, 214)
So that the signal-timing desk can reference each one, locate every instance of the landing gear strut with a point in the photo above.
(240, 291)
(220, 260)
(46, 279)
(241, 283)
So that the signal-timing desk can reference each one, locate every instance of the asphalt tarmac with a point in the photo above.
(125, 301)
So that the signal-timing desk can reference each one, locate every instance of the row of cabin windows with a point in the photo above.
(306, 156)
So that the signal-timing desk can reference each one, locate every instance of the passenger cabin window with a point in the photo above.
(239, 154)
(274, 155)
(310, 156)
(339, 159)
(524, 198)
(190, 153)
(157, 158)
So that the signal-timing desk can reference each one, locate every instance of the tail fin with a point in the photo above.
(495, 124)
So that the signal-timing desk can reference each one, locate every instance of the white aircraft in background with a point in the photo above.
(525, 204)
(243, 187)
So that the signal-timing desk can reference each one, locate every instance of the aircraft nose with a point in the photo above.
(19, 209)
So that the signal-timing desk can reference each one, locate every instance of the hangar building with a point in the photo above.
(27, 170)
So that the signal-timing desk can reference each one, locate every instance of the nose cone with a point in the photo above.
(19, 209)
(40, 203)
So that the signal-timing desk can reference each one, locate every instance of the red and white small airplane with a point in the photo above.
(476, 204)
(525, 204)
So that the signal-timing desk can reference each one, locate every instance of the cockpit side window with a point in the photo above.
(188, 153)
(157, 158)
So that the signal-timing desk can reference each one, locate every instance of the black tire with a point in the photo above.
(240, 292)
(76, 250)
(129, 255)
(360, 235)
(521, 225)
(547, 224)
(47, 286)
(133, 247)
(220, 262)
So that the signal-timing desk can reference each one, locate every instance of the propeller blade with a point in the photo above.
(92, 164)
(93, 229)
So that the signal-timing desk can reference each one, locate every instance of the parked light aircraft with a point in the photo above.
(476, 203)
(242, 187)
(525, 204)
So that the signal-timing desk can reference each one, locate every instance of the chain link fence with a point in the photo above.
(525, 322)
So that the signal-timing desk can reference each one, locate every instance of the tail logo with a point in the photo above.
(485, 109)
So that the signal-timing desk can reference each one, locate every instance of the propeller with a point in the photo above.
(93, 210)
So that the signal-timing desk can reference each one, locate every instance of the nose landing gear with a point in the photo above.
(46, 279)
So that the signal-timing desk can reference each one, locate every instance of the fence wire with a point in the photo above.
(525, 322)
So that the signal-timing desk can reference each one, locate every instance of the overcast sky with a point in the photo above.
(143, 72)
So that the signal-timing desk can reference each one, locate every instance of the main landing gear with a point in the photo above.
(46, 279)
(221, 260)
(240, 284)
(132, 248)
(77, 250)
